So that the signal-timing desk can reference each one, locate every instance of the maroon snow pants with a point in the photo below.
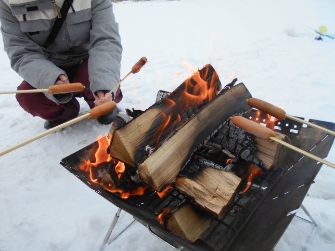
(37, 104)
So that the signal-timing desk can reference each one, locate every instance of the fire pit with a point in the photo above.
(258, 211)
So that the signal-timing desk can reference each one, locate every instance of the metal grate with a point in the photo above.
(287, 186)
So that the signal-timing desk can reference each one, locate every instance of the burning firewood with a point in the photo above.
(213, 190)
(161, 119)
(163, 165)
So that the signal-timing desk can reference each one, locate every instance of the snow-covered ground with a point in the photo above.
(265, 44)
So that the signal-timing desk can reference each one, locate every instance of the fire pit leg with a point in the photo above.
(109, 232)
(309, 215)
(121, 232)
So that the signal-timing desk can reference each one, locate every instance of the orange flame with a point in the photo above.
(253, 172)
(164, 192)
(101, 156)
(160, 217)
(269, 121)
(193, 92)
(119, 169)
(228, 161)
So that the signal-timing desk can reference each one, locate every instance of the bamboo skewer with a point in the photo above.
(310, 124)
(303, 152)
(265, 133)
(281, 114)
(135, 69)
(25, 91)
(93, 114)
(54, 89)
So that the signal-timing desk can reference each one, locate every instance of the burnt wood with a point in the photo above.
(213, 190)
(134, 141)
(164, 164)
(264, 153)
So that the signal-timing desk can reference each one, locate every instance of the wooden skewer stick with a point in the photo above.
(95, 112)
(281, 114)
(54, 89)
(135, 69)
(266, 133)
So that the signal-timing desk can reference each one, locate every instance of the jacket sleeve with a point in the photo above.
(26, 57)
(105, 54)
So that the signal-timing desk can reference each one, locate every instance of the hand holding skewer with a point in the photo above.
(280, 113)
(95, 113)
(266, 133)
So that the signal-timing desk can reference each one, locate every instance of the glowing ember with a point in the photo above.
(164, 192)
(270, 122)
(253, 172)
(228, 161)
(137, 191)
(119, 169)
(160, 217)
(267, 120)
(101, 156)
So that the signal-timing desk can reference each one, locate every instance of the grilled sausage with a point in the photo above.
(100, 110)
(267, 108)
(252, 127)
(137, 67)
(66, 88)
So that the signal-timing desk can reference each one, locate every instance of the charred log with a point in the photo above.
(163, 165)
(213, 190)
(164, 117)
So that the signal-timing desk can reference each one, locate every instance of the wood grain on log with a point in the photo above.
(163, 165)
(188, 223)
(271, 153)
(162, 118)
(213, 190)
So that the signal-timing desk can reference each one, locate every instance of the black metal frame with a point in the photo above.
(256, 220)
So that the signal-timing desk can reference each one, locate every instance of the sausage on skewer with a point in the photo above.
(280, 113)
(54, 89)
(265, 133)
(95, 112)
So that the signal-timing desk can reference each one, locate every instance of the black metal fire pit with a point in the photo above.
(257, 219)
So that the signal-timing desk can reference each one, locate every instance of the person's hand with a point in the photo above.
(101, 98)
(62, 79)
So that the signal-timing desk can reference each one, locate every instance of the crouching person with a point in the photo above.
(59, 42)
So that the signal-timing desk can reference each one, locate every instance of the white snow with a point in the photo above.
(265, 44)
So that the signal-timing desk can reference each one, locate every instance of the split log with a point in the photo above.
(271, 153)
(213, 190)
(134, 142)
(188, 223)
(163, 165)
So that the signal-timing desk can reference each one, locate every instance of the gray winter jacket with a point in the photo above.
(89, 31)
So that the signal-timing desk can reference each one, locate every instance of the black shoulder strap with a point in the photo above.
(58, 23)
